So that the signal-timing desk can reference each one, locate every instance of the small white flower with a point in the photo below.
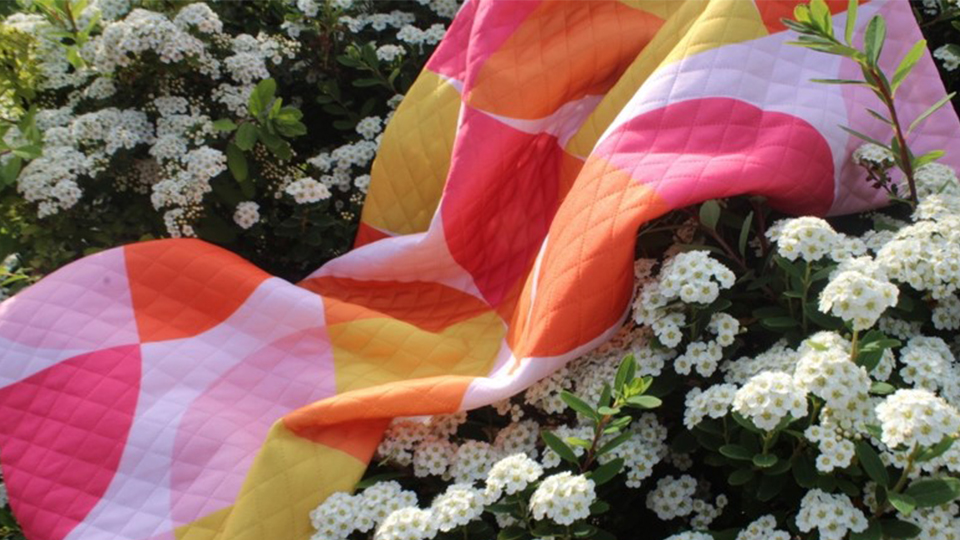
(247, 214)
(563, 498)
(770, 397)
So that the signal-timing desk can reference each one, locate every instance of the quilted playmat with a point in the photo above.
(171, 390)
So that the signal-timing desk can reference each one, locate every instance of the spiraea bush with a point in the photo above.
(780, 378)
(249, 124)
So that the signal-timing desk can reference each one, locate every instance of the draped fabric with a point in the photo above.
(171, 390)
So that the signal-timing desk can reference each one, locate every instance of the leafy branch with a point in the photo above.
(814, 24)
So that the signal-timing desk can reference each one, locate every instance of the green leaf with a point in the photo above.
(820, 15)
(513, 532)
(765, 461)
(625, 373)
(599, 507)
(882, 389)
(295, 129)
(895, 528)
(606, 472)
(745, 234)
(872, 464)
(710, 214)
(929, 157)
(838, 81)
(864, 137)
(946, 99)
(10, 170)
(745, 423)
(936, 450)
(283, 150)
(779, 323)
(906, 65)
(371, 480)
(804, 472)
(873, 531)
(608, 411)
(770, 487)
(579, 405)
(237, 163)
(262, 97)
(246, 136)
(644, 402)
(577, 441)
(224, 124)
(929, 492)
(735, 451)
(615, 442)
(781, 467)
(366, 83)
(559, 447)
(740, 477)
(873, 40)
(905, 504)
(851, 21)
(29, 151)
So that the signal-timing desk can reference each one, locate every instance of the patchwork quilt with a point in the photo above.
(171, 390)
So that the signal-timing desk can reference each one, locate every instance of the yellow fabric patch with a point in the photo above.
(411, 166)
(378, 351)
(694, 27)
(288, 479)
(205, 528)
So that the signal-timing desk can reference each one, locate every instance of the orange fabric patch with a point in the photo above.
(562, 52)
(430, 306)
(586, 277)
(368, 235)
(183, 287)
(358, 439)
(433, 395)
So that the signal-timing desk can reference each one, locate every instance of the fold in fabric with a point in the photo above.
(171, 390)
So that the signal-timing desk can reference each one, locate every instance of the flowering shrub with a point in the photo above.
(780, 378)
(248, 124)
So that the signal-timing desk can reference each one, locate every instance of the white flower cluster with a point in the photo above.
(247, 214)
(873, 156)
(827, 372)
(807, 238)
(764, 528)
(937, 523)
(778, 357)
(836, 452)
(642, 451)
(769, 398)
(673, 497)
(457, 506)
(123, 41)
(926, 256)
(690, 277)
(714, 402)
(916, 417)
(928, 363)
(858, 292)
(563, 498)
(338, 164)
(307, 191)
(948, 54)
(342, 514)
(377, 21)
(833, 516)
(512, 474)
(416, 36)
